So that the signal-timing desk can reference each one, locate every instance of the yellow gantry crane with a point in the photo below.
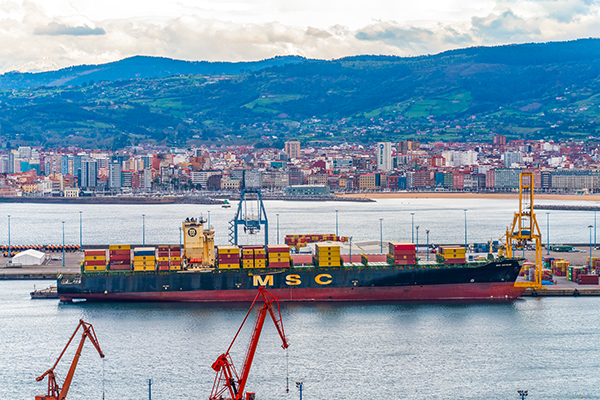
(525, 229)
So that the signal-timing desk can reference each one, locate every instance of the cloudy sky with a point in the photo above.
(51, 34)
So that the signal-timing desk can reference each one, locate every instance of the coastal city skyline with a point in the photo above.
(297, 170)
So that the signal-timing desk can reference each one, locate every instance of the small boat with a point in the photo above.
(226, 204)
(48, 293)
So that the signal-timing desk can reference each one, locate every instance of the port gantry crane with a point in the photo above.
(250, 221)
(525, 229)
(228, 382)
(55, 392)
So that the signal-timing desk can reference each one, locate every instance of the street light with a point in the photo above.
(63, 224)
(208, 221)
(143, 230)
(547, 233)
(417, 239)
(336, 223)
(277, 228)
(381, 235)
(350, 238)
(300, 386)
(80, 232)
(465, 210)
(427, 232)
(412, 216)
(180, 234)
(590, 226)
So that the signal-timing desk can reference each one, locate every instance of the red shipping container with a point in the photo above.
(163, 248)
(163, 263)
(126, 262)
(587, 279)
(163, 267)
(279, 264)
(119, 267)
(404, 252)
(95, 262)
(454, 260)
(119, 252)
(229, 256)
(95, 252)
(175, 253)
(123, 257)
(175, 246)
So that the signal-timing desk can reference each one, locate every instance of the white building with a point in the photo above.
(384, 156)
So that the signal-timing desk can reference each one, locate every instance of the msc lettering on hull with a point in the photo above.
(290, 280)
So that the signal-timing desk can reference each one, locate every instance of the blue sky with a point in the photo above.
(50, 34)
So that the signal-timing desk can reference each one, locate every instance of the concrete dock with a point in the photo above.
(48, 270)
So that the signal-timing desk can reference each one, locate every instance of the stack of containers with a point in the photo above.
(247, 257)
(279, 255)
(452, 255)
(402, 254)
(298, 241)
(119, 257)
(163, 258)
(327, 255)
(94, 260)
(144, 259)
(559, 267)
(587, 279)
(594, 261)
(573, 272)
(260, 257)
(228, 257)
(175, 258)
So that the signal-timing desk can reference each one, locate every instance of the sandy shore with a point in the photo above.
(455, 195)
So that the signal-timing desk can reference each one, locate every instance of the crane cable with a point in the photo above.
(287, 372)
(103, 362)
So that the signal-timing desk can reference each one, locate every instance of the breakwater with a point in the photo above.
(564, 207)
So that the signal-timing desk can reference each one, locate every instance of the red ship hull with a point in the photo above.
(484, 291)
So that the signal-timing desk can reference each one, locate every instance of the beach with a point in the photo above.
(468, 195)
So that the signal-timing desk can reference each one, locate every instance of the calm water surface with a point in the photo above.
(340, 351)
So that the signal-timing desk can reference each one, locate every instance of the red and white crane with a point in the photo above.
(228, 384)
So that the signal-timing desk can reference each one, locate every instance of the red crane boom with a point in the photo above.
(54, 391)
(227, 380)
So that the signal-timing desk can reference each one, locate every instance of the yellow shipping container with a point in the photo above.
(163, 258)
(119, 247)
(175, 258)
(247, 252)
(259, 251)
(279, 255)
(144, 267)
(229, 266)
(329, 264)
(89, 268)
(94, 258)
(144, 258)
(327, 247)
(247, 263)
(260, 263)
(228, 250)
(175, 267)
(147, 262)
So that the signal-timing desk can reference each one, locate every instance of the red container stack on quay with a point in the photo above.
(163, 258)
(587, 279)
(175, 258)
(119, 256)
(402, 254)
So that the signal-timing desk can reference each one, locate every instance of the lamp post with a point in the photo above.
(547, 233)
(417, 239)
(300, 386)
(590, 226)
(427, 232)
(412, 224)
(208, 220)
(465, 210)
(381, 235)
(80, 232)
(9, 238)
(63, 226)
(143, 230)
(180, 234)
(277, 228)
(336, 223)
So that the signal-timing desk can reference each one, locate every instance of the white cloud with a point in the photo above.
(63, 32)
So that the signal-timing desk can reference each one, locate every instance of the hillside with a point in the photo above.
(547, 90)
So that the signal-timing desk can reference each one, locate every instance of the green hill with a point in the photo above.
(546, 90)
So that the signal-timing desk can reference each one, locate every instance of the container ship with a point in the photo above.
(200, 272)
